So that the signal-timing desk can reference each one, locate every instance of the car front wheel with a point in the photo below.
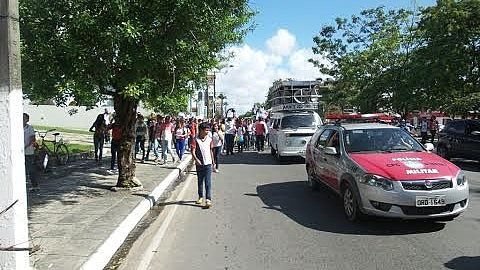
(351, 204)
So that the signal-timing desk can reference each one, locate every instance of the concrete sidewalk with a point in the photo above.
(76, 221)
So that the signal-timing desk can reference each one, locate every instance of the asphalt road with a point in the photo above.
(265, 217)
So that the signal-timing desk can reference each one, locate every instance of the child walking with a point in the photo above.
(202, 151)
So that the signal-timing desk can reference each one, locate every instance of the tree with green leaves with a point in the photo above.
(135, 51)
(448, 63)
(403, 61)
(364, 53)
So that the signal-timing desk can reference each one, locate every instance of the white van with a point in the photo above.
(290, 131)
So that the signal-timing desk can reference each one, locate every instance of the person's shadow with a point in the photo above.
(464, 263)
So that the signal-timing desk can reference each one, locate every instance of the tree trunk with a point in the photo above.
(125, 112)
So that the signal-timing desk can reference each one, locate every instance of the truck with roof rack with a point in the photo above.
(293, 116)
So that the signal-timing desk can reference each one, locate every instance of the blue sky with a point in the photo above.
(304, 18)
(281, 44)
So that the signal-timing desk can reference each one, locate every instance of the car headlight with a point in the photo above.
(377, 181)
(461, 178)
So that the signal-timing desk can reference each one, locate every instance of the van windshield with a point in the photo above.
(297, 121)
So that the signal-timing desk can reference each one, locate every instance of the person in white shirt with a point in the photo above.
(230, 135)
(166, 131)
(249, 135)
(240, 136)
(202, 151)
(217, 144)
(29, 150)
(181, 135)
(107, 117)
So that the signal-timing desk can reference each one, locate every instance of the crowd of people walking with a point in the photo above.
(157, 135)
(207, 140)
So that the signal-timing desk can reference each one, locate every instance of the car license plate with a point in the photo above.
(424, 201)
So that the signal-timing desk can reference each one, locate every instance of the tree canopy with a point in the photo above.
(400, 60)
(148, 50)
(136, 51)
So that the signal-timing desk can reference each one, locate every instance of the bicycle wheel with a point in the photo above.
(62, 154)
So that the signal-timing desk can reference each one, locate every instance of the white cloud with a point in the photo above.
(282, 43)
(255, 70)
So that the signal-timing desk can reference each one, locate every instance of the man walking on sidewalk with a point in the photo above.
(29, 150)
(202, 151)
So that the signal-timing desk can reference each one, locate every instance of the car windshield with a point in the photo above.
(296, 121)
(380, 140)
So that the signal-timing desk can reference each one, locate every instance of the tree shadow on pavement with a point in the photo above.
(464, 263)
(255, 158)
(323, 211)
(68, 184)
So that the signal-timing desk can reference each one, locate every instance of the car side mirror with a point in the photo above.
(475, 133)
(330, 151)
(429, 146)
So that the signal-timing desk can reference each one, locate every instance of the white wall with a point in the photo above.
(53, 116)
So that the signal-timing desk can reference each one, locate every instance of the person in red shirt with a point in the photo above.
(115, 143)
(260, 132)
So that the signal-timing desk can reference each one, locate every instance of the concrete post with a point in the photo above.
(13, 199)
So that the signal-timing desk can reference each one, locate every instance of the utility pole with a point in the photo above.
(14, 244)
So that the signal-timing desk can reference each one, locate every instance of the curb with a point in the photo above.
(101, 257)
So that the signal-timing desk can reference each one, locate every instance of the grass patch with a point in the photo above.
(63, 130)
(73, 148)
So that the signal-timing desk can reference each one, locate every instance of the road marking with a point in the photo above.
(150, 251)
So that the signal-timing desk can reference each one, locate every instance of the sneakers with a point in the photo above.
(199, 201)
(216, 170)
(208, 203)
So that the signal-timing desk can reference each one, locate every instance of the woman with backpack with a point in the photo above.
(181, 135)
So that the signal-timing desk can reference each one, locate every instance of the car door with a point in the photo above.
(332, 162)
(453, 137)
(457, 134)
(472, 140)
(318, 155)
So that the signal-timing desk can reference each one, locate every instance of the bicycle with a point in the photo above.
(43, 152)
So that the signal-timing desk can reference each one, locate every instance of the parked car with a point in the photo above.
(382, 170)
(460, 139)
